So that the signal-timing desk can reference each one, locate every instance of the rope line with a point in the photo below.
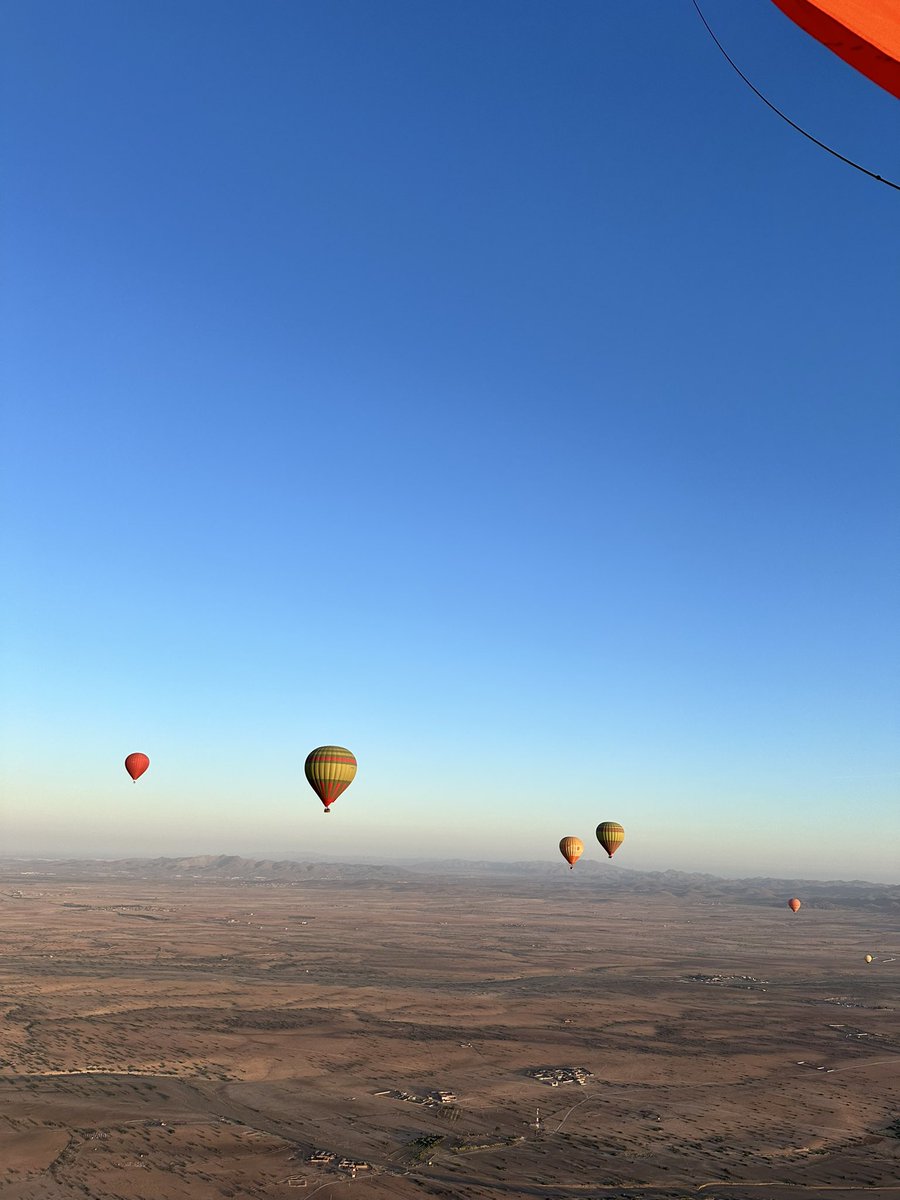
(784, 116)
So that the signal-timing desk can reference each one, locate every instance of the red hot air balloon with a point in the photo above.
(794, 904)
(136, 765)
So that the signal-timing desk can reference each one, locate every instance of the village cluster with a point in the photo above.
(554, 1076)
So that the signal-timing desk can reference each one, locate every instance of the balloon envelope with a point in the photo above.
(330, 771)
(571, 848)
(610, 835)
(864, 33)
(136, 765)
(794, 904)
(868, 958)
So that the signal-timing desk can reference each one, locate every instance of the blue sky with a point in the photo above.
(497, 389)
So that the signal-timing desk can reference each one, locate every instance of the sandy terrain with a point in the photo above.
(206, 1039)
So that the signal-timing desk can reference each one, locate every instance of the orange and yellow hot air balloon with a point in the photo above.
(610, 835)
(136, 764)
(571, 848)
(330, 771)
(793, 904)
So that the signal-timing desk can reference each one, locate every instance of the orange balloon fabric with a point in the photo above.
(571, 848)
(864, 33)
(794, 904)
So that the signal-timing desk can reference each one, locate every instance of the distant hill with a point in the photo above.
(614, 880)
(217, 868)
(521, 877)
(617, 878)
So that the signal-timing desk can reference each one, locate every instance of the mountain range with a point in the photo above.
(520, 877)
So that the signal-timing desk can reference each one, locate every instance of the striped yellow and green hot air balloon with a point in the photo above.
(330, 771)
(610, 835)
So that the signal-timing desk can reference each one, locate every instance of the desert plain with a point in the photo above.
(181, 1034)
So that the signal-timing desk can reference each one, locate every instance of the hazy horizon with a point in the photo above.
(282, 855)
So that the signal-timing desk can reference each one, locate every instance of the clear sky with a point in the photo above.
(494, 387)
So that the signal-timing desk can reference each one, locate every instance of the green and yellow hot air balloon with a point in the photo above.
(330, 771)
(610, 835)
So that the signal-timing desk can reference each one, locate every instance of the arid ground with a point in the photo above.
(197, 1038)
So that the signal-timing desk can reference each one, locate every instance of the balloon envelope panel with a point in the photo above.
(864, 33)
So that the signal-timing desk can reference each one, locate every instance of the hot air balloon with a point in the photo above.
(330, 771)
(136, 765)
(571, 848)
(868, 958)
(794, 904)
(864, 33)
(610, 835)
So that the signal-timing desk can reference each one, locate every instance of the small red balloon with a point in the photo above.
(136, 765)
(794, 904)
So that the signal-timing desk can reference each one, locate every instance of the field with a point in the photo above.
(199, 1039)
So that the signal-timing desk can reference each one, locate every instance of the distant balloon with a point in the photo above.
(868, 958)
(610, 835)
(794, 904)
(571, 848)
(330, 771)
(136, 765)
